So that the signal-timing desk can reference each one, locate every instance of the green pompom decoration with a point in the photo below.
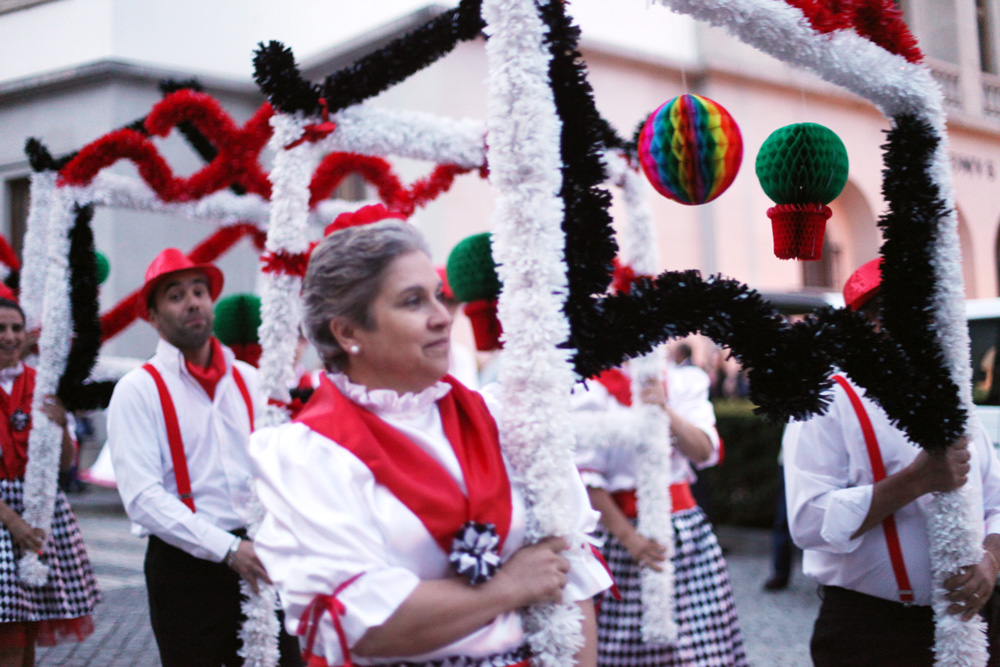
(103, 267)
(237, 318)
(472, 273)
(804, 163)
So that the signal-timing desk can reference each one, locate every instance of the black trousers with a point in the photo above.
(194, 608)
(857, 630)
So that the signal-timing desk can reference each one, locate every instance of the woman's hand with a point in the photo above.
(645, 551)
(25, 535)
(534, 574)
(53, 408)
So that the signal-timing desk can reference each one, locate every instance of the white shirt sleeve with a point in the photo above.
(823, 512)
(687, 395)
(313, 552)
(134, 433)
(991, 479)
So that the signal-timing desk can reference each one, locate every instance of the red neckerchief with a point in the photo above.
(617, 383)
(410, 473)
(209, 376)
(15, 443)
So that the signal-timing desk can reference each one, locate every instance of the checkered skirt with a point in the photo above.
(708, 627)
(70, 591)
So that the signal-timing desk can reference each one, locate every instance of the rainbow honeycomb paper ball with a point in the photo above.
(472, 273)
(804, 163)
(690, 149)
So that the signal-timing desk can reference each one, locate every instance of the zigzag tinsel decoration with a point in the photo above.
(74, 390)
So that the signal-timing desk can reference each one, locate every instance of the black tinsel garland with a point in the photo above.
(590, 246)
(403, 57)
(74, 390)
(278, 76)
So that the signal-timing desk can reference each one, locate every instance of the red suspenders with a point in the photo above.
(878, 472)
(174, 430)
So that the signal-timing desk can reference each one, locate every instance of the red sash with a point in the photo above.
(878, 473)
(410, 473)
(15, 443)
(174, 439)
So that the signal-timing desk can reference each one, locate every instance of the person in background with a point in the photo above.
(62, 608)
(389, 502)
(462, 365)
(875, 581)
(708, 625)
(178, 430)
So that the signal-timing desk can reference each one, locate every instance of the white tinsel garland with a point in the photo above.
(411, 134)
(32, 284)
(896, 86)
(45, 438)
(524, 158)
(655, 506)
(278, 333)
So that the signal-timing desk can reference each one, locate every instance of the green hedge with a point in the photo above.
(743, 489)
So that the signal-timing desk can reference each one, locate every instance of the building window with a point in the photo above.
(986, 22)
(18, 202)
(823, 274)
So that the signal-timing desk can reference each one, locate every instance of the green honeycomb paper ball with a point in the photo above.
(103, 267)
(237, 318)
(801, 164)
(472, 273)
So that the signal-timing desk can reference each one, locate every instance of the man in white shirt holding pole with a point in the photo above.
(858, 499)
(178, 429)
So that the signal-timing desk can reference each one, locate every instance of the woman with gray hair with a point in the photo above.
(395, 530)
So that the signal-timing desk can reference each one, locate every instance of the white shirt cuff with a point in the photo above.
(844, 514)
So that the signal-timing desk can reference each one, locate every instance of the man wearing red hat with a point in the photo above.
(859, 496)
(178, 430)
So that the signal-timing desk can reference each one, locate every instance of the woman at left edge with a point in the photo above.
(61, 609)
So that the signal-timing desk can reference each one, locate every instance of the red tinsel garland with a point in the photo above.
(7, 255)
(335, 167)
(291, 264)
(880, 21)
(237, 160)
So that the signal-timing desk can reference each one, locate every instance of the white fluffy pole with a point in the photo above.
(43, 193)
(280, 315)
(45, 439)
(524, 159)
(655, 506)
(896, 86)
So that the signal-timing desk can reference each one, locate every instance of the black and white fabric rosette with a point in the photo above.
(19, 420)
(474, 552)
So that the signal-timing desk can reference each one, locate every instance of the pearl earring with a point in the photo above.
(354, 349)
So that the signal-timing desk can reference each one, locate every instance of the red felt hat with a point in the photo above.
(170, 261)
(363, 216)
(863, 284)
(445, 287)
(7, 293)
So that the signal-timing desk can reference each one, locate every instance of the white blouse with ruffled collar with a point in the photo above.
(328, 520)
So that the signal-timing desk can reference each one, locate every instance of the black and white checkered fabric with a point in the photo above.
(708, 627)
(70, 591)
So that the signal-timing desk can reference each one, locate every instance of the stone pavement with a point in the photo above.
(776, 626)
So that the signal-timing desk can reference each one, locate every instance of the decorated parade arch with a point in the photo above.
(548, 153)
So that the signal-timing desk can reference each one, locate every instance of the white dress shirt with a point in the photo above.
(214, 433)
(328, 520)
(829, 482)
(613, 468)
